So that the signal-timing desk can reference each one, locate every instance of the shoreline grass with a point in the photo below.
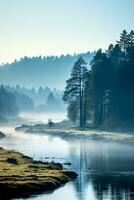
(21, 176)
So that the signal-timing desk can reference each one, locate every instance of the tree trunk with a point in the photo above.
(81, 101)
(101, 111)
(84, 111)
(81, 118)
(96, 115)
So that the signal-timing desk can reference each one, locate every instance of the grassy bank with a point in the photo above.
(20, 176)
(68, 133)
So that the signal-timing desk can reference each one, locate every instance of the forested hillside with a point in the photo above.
(40, 71)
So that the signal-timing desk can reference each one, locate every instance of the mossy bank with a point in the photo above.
(21, 176)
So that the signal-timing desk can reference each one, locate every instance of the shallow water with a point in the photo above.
(101, 166)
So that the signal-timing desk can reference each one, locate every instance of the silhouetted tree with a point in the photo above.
(88, 103)
(73, 111)
(102, 75)
(75, 86)
(124, 43)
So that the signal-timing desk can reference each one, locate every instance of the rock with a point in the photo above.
(67, 163)
(2, 135)
(71, 174)
(12, 161)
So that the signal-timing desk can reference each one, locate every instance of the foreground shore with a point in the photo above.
(69, 133)
(21, 176)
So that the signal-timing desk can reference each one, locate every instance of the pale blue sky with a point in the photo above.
(54, 27)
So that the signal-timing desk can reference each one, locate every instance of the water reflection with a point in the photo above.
(108, 167)
(105, 169)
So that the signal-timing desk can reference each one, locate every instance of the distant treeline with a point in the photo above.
(38, 71)
(20, 99)
(105, 93)
(39, 96)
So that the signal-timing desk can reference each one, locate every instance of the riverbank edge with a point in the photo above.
(21, 176)
(69, 133)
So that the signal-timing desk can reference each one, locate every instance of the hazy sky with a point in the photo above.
(46, 27)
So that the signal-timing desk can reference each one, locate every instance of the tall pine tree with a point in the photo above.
(75, 87)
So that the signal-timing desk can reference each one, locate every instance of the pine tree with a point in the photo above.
(131, 39)
(130, 49)
(87, 98)
(124, 43)
(72, 111)
(102, 75)
(75, 85)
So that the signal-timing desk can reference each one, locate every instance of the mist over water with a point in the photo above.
(103, 168)
(44, 117)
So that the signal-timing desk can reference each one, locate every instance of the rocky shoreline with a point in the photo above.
(21, 176)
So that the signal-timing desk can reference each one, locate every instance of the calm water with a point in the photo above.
(101, 166)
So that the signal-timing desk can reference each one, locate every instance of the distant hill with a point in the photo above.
(37, 71)
(43, 99)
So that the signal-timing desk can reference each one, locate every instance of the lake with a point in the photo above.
(105, 169)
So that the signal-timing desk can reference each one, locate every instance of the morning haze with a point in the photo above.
(67, 99)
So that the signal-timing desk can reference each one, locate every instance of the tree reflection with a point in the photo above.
(107, 167)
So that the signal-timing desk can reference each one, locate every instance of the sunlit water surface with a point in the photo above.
(89, 159)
